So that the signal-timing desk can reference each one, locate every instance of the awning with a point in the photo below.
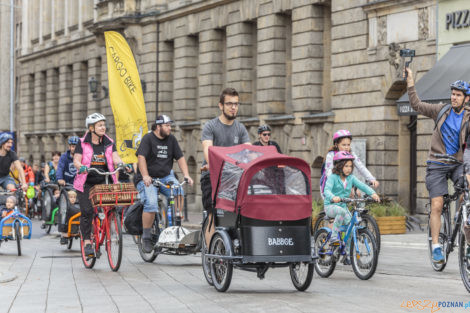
(433, 87)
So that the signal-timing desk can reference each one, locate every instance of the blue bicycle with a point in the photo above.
(15, 226)
(363, 250)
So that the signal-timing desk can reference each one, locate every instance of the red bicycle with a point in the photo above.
(106, 224)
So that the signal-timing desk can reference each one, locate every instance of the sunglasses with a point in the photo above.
(266, 134)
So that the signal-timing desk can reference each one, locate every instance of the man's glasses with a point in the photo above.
(266, 134)
(232, 104)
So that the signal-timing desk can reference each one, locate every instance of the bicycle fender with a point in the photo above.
(226, 238)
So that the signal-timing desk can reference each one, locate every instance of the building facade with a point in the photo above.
(305, 67)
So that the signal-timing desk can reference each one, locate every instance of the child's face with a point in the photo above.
(10, 204)
(56, 193)
(344, 144)
(348, 168)
(73, 199)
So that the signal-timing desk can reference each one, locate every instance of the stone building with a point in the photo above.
(305, 67)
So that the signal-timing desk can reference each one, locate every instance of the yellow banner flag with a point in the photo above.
(126, 97)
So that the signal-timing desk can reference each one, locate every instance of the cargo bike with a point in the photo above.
(15, 226)
(261, 218)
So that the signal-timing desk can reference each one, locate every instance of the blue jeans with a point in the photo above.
(5, 181)
(149, 195)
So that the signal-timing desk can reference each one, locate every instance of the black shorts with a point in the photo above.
(206, 189)
(437, 176)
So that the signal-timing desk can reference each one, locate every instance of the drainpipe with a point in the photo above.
(158, 58)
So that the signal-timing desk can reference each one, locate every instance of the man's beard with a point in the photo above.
(230, 117)
(163, 134)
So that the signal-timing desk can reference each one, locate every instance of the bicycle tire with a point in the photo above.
(70, 243)
(371, 224)
(46, 204)
(319, 223)
(364, 236)
(155, 233)
(88, 262)
(18, 237)
(221, 270)
(327, 261)
(301, 283)
(206, 268)
(439, 267)
(464, 262)
(114, 240)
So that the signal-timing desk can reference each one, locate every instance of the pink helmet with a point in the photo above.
(342, 133)
(343, 155)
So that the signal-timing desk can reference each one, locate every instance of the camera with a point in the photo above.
(407, 53)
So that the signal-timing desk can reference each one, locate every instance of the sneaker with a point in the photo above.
(64, 240)
(147, 245)
(347, 261)
(437, 256)
(89, 251)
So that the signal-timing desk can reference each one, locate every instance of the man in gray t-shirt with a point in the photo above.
(224, 131)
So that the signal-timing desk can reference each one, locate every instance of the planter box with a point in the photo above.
(391, 224)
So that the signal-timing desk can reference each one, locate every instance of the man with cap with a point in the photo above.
(66, 171)
(264, 134)
(7, 158)
(155, 156)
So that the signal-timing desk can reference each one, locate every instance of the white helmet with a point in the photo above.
(94, 118)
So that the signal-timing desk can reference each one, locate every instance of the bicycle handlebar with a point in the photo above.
(100, 172)
(157, 182)
(362, 200)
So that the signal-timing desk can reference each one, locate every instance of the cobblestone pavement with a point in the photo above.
(49, 278)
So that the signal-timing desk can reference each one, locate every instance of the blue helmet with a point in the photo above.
(461, 85)
(4, 137)
(73, 140)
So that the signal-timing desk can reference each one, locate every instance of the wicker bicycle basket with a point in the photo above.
(113, 194)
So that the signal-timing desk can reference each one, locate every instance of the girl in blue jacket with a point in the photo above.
(338, 186)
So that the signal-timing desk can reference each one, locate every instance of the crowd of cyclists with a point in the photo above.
(159, 149)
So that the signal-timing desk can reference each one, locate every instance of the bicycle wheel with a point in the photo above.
(464, 262)
(301, 274)
(155, 234)
(439, 267)
(163, 207)
(221, 270)
(69, 245)
(46, 203)
(114, 240)
(18, 237)
(87, 261)
(319, 223)
(326, 262)
(364, 257)
(205, 261)
(370, 223)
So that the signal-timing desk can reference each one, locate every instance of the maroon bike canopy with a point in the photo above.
(260, 183)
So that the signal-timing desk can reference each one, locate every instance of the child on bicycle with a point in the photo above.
(342, 142)
(339, 185)
(9, 206)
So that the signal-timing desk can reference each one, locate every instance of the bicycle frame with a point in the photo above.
(171, 201)
(350, 230)
(102, 225)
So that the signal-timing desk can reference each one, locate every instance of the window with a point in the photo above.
(279, 180)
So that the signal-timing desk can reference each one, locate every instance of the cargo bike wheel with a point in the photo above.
(18, 236)
(89, 262)
(206, 269)
(114, 240)
(326, 262)
(221, 270)
(301, 274)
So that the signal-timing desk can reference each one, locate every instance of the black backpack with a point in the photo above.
(133, 218)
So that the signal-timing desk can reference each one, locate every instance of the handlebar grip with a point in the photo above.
(186, 180)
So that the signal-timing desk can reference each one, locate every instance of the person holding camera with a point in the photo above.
(449, 137)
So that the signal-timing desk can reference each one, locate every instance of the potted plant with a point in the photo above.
(390, 216)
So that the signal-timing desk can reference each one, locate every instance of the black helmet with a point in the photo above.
(263, 128)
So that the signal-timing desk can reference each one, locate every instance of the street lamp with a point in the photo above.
(93, 86)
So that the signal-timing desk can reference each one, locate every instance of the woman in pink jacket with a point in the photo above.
(94, 150)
